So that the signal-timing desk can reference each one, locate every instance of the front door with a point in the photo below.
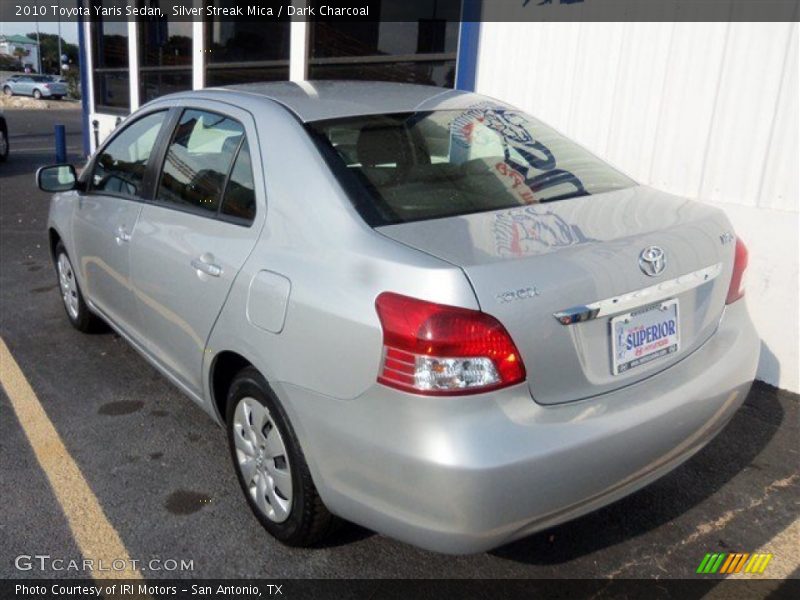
(193, 238)
(106, 216)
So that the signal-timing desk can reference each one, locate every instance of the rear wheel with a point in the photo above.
(270, 464)
(8, 91)
(37, 94)
(78, 312)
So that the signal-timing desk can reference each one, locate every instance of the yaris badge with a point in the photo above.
(652, 261)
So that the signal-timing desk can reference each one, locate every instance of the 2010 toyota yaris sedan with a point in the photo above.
(417, 309)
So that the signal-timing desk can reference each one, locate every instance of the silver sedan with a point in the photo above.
(420, 310)
(38, 86)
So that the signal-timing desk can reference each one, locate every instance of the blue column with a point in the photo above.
(84, 66)
(61, 144)
(467, 61)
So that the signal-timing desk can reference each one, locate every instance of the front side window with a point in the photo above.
(412, 167)
(120, 167)
(198, 160)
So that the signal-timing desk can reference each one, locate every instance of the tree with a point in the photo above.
(21, 53)
(49, 49)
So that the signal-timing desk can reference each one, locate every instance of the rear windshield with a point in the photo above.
(408, 167)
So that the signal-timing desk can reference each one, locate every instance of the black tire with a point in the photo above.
(309, 521)
(37, 94)
(4, 145)
(85, 320)
(8, 91)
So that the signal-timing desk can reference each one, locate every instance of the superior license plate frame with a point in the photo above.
(623, 359)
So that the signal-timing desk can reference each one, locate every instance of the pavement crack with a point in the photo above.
(729, 515)
(708, 527)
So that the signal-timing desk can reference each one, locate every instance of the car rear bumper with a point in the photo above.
(467, 474)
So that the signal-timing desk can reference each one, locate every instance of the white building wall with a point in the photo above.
(705, 110)
(8, 48)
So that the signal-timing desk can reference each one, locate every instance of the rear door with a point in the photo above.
(193, 238)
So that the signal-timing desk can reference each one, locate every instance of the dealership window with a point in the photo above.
(165, 56)
(110, 57)
(243, 52)
(422, 50)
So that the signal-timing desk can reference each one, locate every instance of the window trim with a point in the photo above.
(146, 188)
(164, 150)
(231, 218)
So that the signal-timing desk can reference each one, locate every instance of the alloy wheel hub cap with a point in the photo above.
(262, 459)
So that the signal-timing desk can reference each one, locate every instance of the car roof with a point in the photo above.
(332, 99)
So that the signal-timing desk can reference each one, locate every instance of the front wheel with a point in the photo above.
(270, 465)
(37, 94)
(4, 146)
(8, 91)
(78, 312)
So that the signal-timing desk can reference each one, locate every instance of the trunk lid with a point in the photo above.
(530, 263)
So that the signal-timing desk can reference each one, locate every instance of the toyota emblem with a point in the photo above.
(652, 261)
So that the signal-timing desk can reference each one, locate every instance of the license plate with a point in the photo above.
(644, 335)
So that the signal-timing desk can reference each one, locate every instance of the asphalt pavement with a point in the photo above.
(160, 470)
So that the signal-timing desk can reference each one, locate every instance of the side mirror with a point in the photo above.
(57, 178)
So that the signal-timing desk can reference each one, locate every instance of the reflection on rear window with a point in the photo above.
(411, 167)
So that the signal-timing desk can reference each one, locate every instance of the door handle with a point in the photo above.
(122, 235)
(206, 267)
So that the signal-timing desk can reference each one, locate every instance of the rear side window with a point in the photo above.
(199, 159)
(120, 167)
(240, 195)
(427, 165)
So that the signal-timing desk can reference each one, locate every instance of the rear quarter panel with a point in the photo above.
(336, 265)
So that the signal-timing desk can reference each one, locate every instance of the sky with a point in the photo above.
(69, 31)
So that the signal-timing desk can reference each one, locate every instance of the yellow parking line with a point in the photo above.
(95, 536)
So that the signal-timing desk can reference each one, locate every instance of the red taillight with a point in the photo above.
(736, 289)
(47, 85)
(435, 349)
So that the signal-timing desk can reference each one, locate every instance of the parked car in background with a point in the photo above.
(4, 144)
(421, 310)
(38, 86)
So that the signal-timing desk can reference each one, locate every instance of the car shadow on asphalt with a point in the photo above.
(348, 533)
(732, 451)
